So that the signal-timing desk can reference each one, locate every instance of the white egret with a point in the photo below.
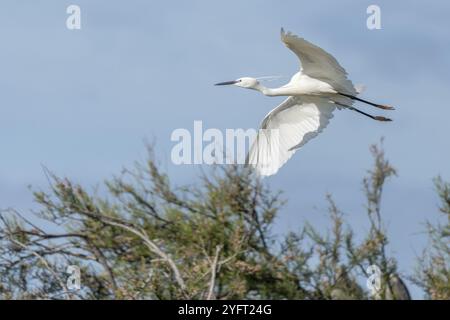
(313, 94)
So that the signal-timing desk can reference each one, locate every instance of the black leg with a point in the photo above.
(378, 118)
(368, 102)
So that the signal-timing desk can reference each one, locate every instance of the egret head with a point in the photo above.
(249, 83)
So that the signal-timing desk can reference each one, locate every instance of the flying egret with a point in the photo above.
(313, 94)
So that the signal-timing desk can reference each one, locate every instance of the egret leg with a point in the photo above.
(384, 107)
(378, 118)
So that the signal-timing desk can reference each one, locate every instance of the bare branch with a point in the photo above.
(212, 282)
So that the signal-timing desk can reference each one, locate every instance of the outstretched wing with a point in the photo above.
(317, 63)
(287, 128)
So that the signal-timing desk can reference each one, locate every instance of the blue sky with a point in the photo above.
(82, 102)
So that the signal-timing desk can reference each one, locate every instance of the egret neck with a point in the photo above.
(271, 92)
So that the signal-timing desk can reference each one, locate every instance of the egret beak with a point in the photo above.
(227, 83)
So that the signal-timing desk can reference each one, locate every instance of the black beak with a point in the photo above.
(227, 83)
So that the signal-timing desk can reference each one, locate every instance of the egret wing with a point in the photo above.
(317, 63)
(287, 128)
